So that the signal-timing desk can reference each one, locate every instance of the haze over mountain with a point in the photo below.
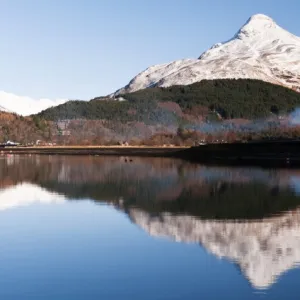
(261, 49)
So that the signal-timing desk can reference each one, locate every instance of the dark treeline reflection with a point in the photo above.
(159, 185)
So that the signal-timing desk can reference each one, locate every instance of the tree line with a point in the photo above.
(229, 99)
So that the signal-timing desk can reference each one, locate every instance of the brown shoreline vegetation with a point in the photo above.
(33, 131)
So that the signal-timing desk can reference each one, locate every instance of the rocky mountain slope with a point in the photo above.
(261, 49)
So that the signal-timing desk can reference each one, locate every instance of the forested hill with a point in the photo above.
(242, 98)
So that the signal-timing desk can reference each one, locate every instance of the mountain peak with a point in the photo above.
(260, 18)
(257, 24)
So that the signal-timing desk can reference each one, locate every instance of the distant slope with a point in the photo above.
(261, 49)
(230, 99)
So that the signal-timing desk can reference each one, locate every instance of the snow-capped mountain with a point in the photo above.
(264, 249)
(259, 50)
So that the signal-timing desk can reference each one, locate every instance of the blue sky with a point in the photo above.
(79, 49)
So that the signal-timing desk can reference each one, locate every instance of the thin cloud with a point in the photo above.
(25, 106)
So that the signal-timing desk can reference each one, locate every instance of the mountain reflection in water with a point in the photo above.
(248, 215)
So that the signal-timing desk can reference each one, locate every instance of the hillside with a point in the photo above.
(230, 99)
(25, 130)
(260, 49)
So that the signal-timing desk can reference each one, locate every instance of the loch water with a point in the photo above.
(86, 227)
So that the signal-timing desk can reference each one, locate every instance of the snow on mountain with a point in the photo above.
(263, 249)
(25, 106)
(259, 50)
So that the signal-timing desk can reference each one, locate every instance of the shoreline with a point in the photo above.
(265, 154)
(95, 150)
(277, 153)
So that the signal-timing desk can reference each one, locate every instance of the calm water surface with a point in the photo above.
(111, 228)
